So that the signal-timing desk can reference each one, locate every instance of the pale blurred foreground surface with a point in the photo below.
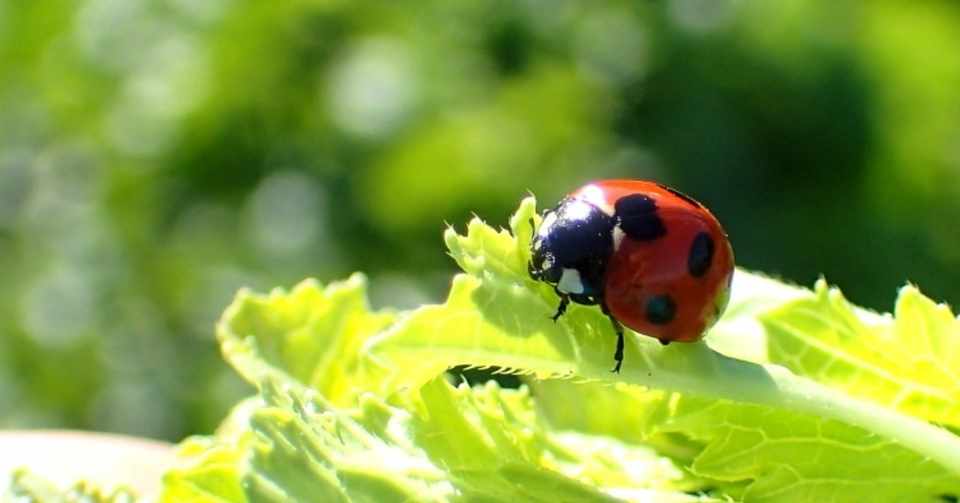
(64, 457)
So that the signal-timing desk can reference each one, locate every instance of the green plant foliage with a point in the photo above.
(785, 455)
(910, 362)
(158, 155)
(311, 334)
(214, 473)
(681, 423)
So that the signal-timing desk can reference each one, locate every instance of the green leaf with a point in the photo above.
(739, 333)
(496, 316)
(311, 334)
(628, 413)
(443, 444)
(354, 405)
(753, 452)
(428, 443)
(210, 468)
(801, 457)
(212, 475)
(910, 363)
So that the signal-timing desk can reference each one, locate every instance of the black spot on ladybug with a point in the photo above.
(661, 309)
(701, 255)
(693, 202)
(638, 219)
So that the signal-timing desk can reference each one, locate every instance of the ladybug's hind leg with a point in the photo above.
(618, 328)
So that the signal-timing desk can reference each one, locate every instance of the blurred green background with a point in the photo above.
(157, 155)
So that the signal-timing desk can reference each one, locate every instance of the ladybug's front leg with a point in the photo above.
(618, 328)
(618, 354)
(562, 308)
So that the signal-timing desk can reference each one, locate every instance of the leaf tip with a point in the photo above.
(525, 212)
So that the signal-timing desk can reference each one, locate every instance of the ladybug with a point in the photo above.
(653, 258)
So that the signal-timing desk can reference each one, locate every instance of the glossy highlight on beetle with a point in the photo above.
(654, 259)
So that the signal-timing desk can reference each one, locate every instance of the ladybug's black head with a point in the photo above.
(571, 248)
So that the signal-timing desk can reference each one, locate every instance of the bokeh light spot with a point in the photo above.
(15, 181)
(373, 88)
(702, 16)
(163, 89)
(612, 45)
(285, 213)
(58, 308)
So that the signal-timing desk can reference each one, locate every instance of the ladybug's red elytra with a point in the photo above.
(653, 258)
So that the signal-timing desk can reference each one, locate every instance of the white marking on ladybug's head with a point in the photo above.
(618, 235)
(547, 224)
(577, 209)
(594, 195)
(570, 282)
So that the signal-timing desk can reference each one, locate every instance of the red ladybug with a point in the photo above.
(653, 258)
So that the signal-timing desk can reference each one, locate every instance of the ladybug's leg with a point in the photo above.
(618, 354)
(562, 308)
(618, 328)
